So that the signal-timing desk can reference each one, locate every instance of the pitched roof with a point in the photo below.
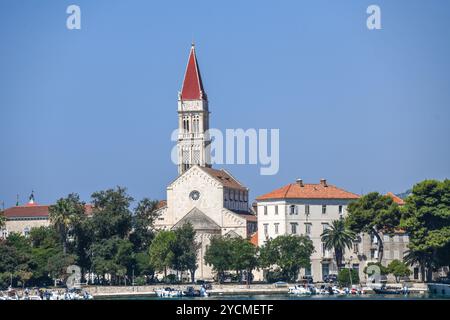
(31, 210)
(396, 199)
(199, 221)
(226, 179)
(35, 210)
(192, 85)
(308, 191)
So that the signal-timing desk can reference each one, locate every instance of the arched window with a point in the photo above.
(196, 124)
(186, 124)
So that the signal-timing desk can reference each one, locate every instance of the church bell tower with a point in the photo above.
(193, 119)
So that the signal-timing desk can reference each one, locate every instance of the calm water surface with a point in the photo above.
(288, 297)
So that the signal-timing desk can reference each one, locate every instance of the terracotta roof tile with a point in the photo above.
(308, 191)
(161, 204)
(254, 239)
(396, 199)
(27, 211)
(224, 178)
(35, 210)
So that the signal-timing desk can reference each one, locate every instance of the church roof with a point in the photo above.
(226, 179)
(308, 191)
(35, 210)
(199, 221)
(192, 84)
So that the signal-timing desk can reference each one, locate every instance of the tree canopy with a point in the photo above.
(374, 214)
(289, 253)
(426, 219)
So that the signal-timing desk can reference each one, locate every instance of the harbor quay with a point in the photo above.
(217, 289)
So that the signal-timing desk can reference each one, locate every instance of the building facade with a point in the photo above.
(212, 200)
(22, 218)
(309, 209)
(304, 209)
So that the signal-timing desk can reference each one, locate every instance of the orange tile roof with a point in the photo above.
(254, 239)
(308, 191)
(396, 199)
(35, 210)
(161, 204)
(27, 211)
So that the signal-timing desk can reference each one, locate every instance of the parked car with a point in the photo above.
(280, 284)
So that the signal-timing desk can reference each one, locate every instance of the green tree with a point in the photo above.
(244, 257)
(161, 250)
(15, 260)
(185, 250)
(143, 266)
(111, 214)
(383, 270)
(219, 255)
(64, 214)
(426, 219)
(398, 269)
(344, 277)
(46, 252)
(374, 214)
(143, 222)
(337, 238)
(289, 253)
(421, 258)
(112, 256)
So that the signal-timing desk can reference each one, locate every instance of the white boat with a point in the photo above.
(31, 297)
(168, 292)
(300, 290)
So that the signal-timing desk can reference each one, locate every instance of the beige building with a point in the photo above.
(304, 209)
(309, 209)
(22, 218)
(212, 200)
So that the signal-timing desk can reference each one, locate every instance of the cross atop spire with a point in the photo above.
(192, 85)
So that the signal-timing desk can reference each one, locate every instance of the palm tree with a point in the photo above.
(337, 238)
(421, 258)
(64, 214)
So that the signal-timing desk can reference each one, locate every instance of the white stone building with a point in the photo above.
(304, 209)
(212, 200)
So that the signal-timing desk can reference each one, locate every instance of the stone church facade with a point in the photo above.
(212, 200)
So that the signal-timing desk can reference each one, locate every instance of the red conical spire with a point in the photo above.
(192, 85)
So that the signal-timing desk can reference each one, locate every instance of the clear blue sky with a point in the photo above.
(86, 110)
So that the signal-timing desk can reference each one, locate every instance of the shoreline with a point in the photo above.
(218, 290)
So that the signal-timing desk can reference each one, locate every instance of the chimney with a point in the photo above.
(323, 182)
(300, 182)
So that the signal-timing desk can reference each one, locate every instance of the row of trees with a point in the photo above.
(425, 217)
(115, 244)
(282, 257)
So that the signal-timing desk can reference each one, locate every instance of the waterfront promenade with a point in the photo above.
(217, 289)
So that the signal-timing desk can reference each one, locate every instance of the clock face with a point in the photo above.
(194, 195)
